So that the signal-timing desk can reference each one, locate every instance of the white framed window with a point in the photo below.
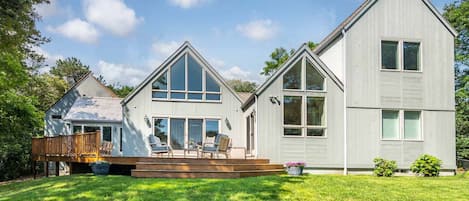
(310, 123)
(303, 76)
(180, 132)
(401, 55)
(401, 125)
(186, 80)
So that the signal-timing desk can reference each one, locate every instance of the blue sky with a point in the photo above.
(124, 40)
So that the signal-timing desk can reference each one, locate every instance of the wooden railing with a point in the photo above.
(76, 145)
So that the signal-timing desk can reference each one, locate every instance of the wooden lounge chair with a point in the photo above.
(106, 148)
(157, 147)
(220, 146)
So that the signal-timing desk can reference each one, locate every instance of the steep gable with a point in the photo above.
(173, 63)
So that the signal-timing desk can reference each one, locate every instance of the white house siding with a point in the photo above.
(316, 152)
(333, 57)
(369, 89)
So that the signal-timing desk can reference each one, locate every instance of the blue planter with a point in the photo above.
(100, 168)
(295, 170)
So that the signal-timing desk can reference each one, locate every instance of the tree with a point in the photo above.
(280, 56)
(19, 117)
(47, 89)
(457, 14)
(71, 69)
(121, 90)
(242, 86)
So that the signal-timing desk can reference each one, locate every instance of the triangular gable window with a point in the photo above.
(296, 79)
(186, 82)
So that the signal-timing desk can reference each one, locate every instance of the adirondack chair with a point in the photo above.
(106, 148)
(220, 146)
(157, 147)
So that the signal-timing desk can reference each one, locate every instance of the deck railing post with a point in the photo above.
(98, 143)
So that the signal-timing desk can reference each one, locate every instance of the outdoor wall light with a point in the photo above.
(274, 100)
(147, 120)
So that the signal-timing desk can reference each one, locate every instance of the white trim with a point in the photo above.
(401, 129)
(400, 55)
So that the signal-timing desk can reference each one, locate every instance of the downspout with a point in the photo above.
(344, 35)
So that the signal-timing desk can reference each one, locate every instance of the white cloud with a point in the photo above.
(235, 72)
(258, 29)
(112, 15)
(47, 9)
(187, 3)
(77, 29)
(164, 49)
(120, 73)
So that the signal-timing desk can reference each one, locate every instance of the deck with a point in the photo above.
(86, 148)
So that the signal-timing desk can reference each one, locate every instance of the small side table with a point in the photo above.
(189, 149)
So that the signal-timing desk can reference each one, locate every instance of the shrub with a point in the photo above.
(427, 166)
(384, 167)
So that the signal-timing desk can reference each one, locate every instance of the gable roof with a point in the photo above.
(304, 49)
(360, 11)
(96, 109)
(78, 83)
(165, 65)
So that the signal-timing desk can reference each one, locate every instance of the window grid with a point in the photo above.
(186, 92)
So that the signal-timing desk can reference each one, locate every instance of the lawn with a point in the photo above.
(311, 187)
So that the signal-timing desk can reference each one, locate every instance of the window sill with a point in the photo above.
(399, 70)
(401, 140)
(310, 137)
(185, 101)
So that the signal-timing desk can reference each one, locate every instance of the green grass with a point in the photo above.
(311, 187)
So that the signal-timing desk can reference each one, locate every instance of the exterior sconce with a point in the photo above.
(147, 121)
(228, 124)
(274, 100)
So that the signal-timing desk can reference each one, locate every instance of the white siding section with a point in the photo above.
(333, 57)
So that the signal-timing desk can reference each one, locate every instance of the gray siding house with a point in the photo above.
(380, 85)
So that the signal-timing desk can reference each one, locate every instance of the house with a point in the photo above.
(87, 86)
(380, 85)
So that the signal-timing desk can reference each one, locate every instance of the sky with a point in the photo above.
(125, 40)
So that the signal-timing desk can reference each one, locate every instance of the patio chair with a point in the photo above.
(219, 146)
(106, 148)
(157, 147)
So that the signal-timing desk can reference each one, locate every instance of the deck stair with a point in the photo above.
(204, 168)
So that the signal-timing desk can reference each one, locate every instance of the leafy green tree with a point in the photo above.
(121, 90)
(457, 14)
(278, 57)
(47, 89)
(71, 69)
(242, 86)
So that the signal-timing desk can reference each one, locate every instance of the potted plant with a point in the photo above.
(295, 168)
(100, 167)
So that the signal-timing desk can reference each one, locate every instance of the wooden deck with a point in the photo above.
(85, 148)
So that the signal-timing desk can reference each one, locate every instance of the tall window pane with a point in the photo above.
(292, 110)
(211, 84)
(107, 135)
(411, 125)
(194, 73)
(314, 80)
(211, 128)
(195, 132)
(76, 129)
(389, 56)
(178, 75)
(292, 79)
(160, 129)
(411, 56)
(177, 133)
(315, 111)
(161, 83)
(390, 127)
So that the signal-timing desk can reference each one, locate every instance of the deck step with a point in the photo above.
(204, 161)
(207, 167)
(203, 174)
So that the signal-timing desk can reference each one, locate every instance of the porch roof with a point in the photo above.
(97, 109)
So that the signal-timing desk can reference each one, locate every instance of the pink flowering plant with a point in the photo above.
(295, 164)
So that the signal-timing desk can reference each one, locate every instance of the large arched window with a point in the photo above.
(186, 80)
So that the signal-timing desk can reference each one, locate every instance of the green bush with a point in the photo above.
(383, 167)
(426, 165)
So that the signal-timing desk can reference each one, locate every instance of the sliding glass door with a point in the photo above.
(177, 133)
(195, 131)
